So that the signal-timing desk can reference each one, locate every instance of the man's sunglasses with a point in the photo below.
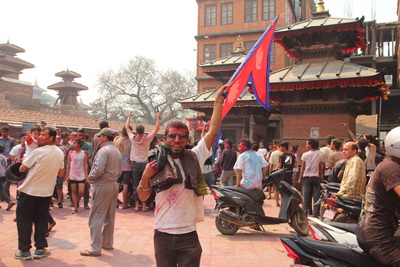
(173, 135)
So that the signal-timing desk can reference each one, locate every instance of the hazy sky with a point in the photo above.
(90, 37)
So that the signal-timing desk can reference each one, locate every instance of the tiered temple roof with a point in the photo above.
(9, 63)
(68, 90)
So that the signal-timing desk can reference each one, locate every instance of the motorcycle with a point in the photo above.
(239, 207)
(307, 252)
(328, 188)
(342, 233)
(341, 209)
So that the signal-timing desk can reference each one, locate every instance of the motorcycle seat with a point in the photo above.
(256, 195)
(348, 227)
(351, 201)
(340, 252)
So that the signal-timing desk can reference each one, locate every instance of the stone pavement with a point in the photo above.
(134, 245)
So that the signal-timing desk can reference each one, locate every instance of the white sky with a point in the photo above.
(90, 37)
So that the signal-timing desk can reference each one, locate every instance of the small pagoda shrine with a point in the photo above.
(310, 98)
(68, 92)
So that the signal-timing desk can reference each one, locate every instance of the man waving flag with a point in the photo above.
(255, 69)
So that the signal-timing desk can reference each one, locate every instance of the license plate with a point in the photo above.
(329, 214)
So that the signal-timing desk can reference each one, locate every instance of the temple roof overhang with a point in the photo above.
(11, 49)
(16, 63)
(205, 100)
(295, 36)
(68, 85)
(327, 74)
(68, 74)
(226, 65)
(6, 70)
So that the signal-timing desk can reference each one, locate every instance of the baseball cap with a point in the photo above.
(106, 132)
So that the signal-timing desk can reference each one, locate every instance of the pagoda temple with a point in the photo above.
(13, 92)
(308, 99)
(68, 92)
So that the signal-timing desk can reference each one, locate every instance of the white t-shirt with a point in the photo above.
(15, 150)
(251, 165)
(44, 163)
(326, 152)
(312, 159)
(179, 209)
(140, 149)
(262, 152)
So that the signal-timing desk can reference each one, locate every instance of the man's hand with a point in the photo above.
(151, 168)
(220, 98)
(158, 116)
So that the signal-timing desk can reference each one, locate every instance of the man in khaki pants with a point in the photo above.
(105, 171)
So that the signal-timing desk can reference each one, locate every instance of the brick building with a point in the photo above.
(308, 99)
(221, 22)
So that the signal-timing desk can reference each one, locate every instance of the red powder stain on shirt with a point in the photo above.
(171, 197)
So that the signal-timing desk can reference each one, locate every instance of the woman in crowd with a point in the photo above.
(77, 172)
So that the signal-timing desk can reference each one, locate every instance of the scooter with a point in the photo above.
(342, 233)
(238, 207)
(340, 209)
(307, 252)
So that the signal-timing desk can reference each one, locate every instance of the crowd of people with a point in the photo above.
(171, 178)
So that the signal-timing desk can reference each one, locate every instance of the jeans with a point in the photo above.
(137, 172)
(209, 179)
(311, 189)
(177, 250)
(6, 187)
(30, 210)
(3, 194)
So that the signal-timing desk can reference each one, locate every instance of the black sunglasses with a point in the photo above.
(173, 135)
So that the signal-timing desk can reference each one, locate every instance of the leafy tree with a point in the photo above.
(141, 86)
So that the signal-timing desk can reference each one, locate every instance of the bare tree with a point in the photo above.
(139, 85)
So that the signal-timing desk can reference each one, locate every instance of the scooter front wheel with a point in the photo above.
(225, 227)
(299, 223)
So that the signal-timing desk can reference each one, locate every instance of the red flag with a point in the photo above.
(255, 69)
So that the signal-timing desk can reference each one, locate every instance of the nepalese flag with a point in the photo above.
(255, 69)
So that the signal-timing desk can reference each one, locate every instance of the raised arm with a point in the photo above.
(157, 128)
(128, 123)
(350, 132)
(216, 117)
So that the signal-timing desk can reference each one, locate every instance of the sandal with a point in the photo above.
(90, 253)
(146, 208)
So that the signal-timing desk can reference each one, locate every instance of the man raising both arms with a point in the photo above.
(180, 187)
(139, 152)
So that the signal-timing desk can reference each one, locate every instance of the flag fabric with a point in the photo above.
(255, 69)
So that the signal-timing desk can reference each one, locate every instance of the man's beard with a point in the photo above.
(174, 155)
